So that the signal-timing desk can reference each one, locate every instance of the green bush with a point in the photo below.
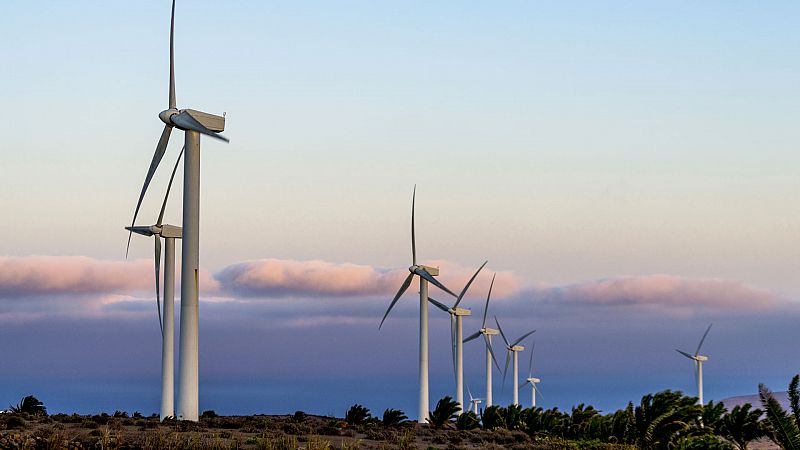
(357, 415)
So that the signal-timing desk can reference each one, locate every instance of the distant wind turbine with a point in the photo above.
(513, 349)
(425, 275)
(474, 402)
(193, 123)
(487, 339)
(531, 379)
(698, 365)
(456, 333)
(166, 321)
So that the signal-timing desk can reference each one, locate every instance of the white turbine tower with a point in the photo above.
(456, 334)
(425, 275)
(513, 349)
(193, 123)
(487, 339)
(166, 320)
(531, 379)
(698, 365)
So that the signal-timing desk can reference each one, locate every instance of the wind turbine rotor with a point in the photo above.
(464, 291)
(697, 352)
(486, 308)
(397, 296)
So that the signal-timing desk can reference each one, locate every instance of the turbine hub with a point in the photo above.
(166, 116)
(413, 269)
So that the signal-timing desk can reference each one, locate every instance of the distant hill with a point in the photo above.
(731, 402)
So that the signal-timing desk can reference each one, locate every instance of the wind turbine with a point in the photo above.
(474, 402)
(166, 322)
(698, 365)
(456, 333)
(425, 275)
(531, 379)
(513, 348)
(487, 339)
(193, 123)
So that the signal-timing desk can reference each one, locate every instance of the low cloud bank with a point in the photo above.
(288, 278)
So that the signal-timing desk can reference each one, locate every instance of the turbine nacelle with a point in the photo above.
(459, 311)
(533, 380)
(434, 271)
(489, 331)
(701, 358)
(165, 231)
(516, 348)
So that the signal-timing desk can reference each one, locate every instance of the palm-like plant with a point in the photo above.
(662, 418)
(712, 416)
(493, 417)
(467, 421)
(781, 426)
(357, 415)
(742, 425)
(393, 417)
(513, 417)
(30, 405)
(445, 411)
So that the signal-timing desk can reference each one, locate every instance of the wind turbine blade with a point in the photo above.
(486, 308)
(429, 278)
(439, 305)
(172, 58)
(169, 186)
(491, 351)
(413, 236)
(402, 290)
(538, 391)
(523, 337)
(158, 285)
(144, 231)
(501, 331)
(530, 363)
(685, 354)
(470, 394)
(161, 148)
(508, 355)
(185, 121)
(702, 340)
(472, 336)
(523, 385)
(464, 291)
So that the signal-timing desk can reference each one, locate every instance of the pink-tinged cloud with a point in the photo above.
(288, 278)
(32, 276)
(664, 291)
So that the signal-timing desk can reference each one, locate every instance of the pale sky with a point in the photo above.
(566, 142)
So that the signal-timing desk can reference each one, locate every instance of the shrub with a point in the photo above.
(209, 414)
(393, 417)
(30, 405)
(120, 414)
(299, 416)
(467, 421)
(493, 418)
(357, 415)
(446, 410)
(15, 422)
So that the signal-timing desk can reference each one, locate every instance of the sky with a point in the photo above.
(628, 169)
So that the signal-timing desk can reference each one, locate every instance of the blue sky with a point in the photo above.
(570, 143)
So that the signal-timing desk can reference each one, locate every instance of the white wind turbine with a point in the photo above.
(166, 321)
(513, 349)
(425, 275)
(474, 402)
(487, 339)
(456, 334)
(193, 123)
(698, 365)
(531, 379)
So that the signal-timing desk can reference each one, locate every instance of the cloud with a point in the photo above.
(663, 292)
(289, 278)
(68, 275)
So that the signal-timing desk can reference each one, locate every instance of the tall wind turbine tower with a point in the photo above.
(513, 349)
(426, 275)
(456, 333)
(698, 365)
(487, 340)
(166, 320)
(193, 123)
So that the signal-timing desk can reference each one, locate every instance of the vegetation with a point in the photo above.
(660, 421)
(30, 405)
(445, 411)
(393, 417)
